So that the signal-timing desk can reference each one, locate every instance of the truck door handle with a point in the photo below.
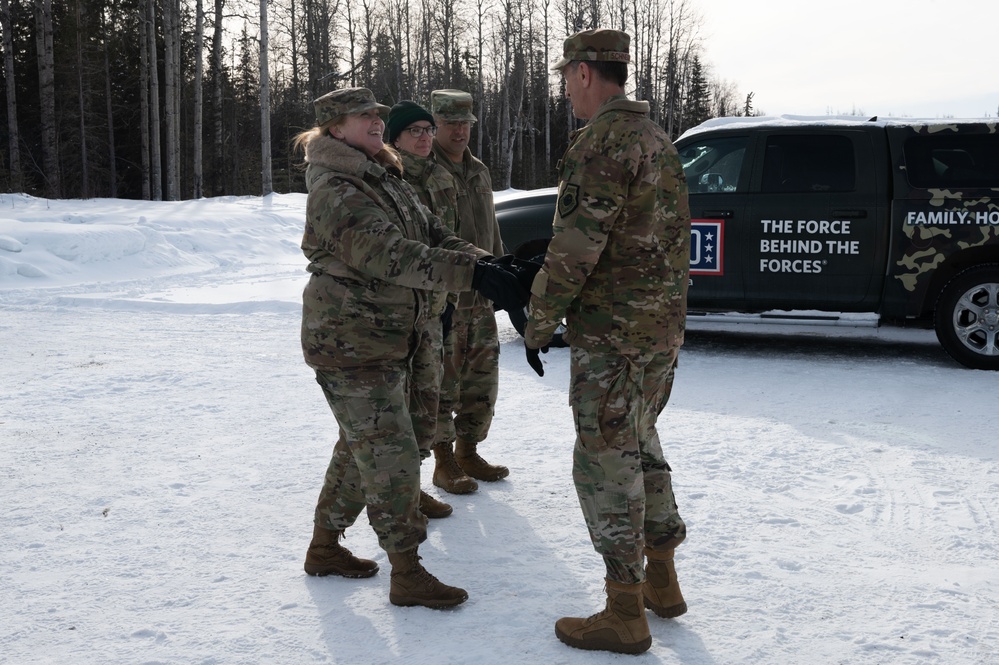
(855, 214)
(717, 214)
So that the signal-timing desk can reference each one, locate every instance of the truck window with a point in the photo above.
(944, 161)
(713, 165)
(808, 163)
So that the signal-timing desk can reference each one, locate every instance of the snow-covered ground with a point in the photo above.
(162, 444)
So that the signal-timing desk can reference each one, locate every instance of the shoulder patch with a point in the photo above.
(568, 200)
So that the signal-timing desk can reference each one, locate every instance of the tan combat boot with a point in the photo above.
(621, 627)
(475, 466)
(326, 556)
(448, 475)
(413, 585)
(661, 589)
(433, 508)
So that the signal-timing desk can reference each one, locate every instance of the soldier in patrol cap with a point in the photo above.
(376, 256)
(471, 355)
(617, 269)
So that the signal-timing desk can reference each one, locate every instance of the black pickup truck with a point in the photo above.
(818, 218)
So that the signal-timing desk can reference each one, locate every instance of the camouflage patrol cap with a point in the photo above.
(595, 45)
(344, 102)
(452, 105)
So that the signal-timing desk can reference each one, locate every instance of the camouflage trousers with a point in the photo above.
(376, 459)
(622, 479)
(427, 373)
(471, 376)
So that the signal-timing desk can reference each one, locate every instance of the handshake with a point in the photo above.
(506, 281)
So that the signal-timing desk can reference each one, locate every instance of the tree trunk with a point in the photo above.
(109, 109)
(144, 102)
(198, 189)
(170, 92)
(16, 180)
(547, 101)
(267, 184)
(218, 160)
(46, 98)
(155, 164)
(82, 102)
(480, 94)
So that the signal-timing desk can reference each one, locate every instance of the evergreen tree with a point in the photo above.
(698, 106)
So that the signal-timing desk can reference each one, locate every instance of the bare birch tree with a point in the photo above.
(155, 163)
(217, 74)
(46, 97)
(267, 185)
(170, 94)
(14, 155)
(144, 111)
(510, 87)
(109, 109)
(197, 171)
(480, 96)
(82, 103)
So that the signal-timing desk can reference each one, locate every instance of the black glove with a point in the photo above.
(499, 285)
(534, 360)
(524, 270)
(446, 319)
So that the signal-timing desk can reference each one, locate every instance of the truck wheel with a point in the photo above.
(536, 253)
(967, 317)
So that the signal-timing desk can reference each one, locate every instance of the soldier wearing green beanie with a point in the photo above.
(617, 271)
(411, 131)
(404, 114)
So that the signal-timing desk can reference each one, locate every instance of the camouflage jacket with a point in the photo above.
(617, 266)
(375, 253)
(435, 187)
(476, 215)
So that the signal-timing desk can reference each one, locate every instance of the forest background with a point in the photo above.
(178, 99)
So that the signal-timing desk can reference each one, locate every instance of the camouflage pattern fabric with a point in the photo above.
(345, 101)
(922, 249)
(376, 460)
(622, 480)
(600, 44)
(375, 256)
(435, 188)
(426, 376)
(452, 105)
(476, 215)
(471, 372)
(617, 266)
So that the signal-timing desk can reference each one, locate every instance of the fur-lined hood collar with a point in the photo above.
(329, 153)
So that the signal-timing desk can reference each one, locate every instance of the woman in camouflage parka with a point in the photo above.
(375, 256)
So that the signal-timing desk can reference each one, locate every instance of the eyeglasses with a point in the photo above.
(416, 131)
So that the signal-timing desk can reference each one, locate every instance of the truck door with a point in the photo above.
(815, 228)
(717, 171)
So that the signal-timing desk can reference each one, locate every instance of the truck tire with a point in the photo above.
(967, 317)
(519, 317)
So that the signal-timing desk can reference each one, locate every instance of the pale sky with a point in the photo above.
(914, 58)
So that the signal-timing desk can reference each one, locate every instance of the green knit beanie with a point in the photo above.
(404, 114)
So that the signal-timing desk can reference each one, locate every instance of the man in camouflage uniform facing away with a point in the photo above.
(617, 269)
(471, 354)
